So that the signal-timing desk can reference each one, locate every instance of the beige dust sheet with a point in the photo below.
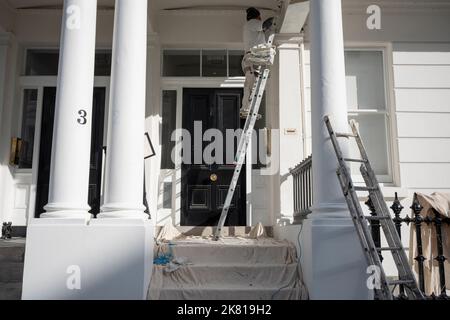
(441, 203)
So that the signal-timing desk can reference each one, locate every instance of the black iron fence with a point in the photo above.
(303, 200)
(419, 221)
(302, 183)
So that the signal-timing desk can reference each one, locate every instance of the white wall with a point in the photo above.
(7, 18)
(290, 118)
(200, 28)
(153, 124)
(422, 91)
(42, 27)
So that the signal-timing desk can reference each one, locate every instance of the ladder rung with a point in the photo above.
(365, 188)
(346, 135)
(355, 160)
(389, 249)
(395, 282)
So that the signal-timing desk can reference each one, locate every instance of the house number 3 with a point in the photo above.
(82, 119)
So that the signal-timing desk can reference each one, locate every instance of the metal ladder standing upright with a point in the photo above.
(405, 274)
(255, 102)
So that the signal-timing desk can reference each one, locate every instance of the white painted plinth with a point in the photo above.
(114, 258)
(333, 263)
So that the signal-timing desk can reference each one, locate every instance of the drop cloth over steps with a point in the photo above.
(231, 268)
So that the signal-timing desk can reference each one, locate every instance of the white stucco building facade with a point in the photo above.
(81, 167)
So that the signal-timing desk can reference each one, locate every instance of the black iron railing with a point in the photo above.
(420, 222)
(302, 183)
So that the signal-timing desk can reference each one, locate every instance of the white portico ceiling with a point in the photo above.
(211, 4)
(49, 4)
(158, 4)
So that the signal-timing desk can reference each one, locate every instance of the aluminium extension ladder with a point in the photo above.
(255, 102)
(406, 277)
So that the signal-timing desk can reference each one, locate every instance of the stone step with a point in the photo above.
(244, 275)
(209, 231)
(10, 291)
(233, 268)
(12, 254)
(232, 293)
(11, 271)
(232, 251)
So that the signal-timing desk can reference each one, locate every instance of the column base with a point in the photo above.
(101, 260)
(122, 211)
(78, 215)
(129, 214)
(66, 211)
(334, 266)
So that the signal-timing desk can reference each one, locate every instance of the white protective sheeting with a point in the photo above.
(231, 268)
(441, 203)
(168, 232)
(258, 232)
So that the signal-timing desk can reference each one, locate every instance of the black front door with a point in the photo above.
(204, 186)
(45, 150)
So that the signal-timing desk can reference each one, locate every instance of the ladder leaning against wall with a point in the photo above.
(263, 72)
(361, 221)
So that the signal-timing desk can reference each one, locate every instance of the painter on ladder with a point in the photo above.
(256, 52)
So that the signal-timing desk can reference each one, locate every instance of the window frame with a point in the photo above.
(393, 176)
(25, 50)
(201, 50)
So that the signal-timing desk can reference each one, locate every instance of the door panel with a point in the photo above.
(202, 196)
(45, 150)
(95, 171)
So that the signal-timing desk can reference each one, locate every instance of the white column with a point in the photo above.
(125, 147)
(290, 118)
(328, 97)
(69, 173)
(333, 262)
